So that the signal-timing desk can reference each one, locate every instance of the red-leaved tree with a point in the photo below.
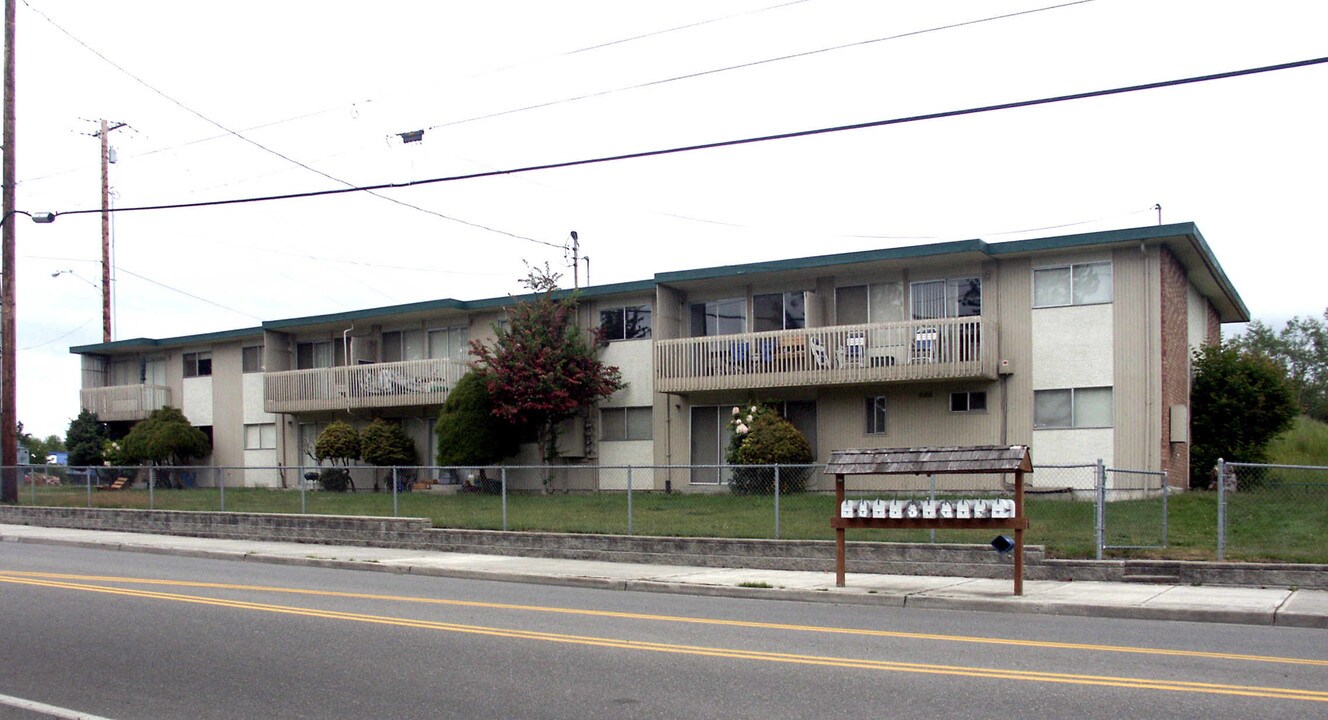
(542, 368)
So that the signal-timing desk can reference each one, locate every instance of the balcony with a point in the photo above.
(410, 383)
(919, 350)
(124, 402)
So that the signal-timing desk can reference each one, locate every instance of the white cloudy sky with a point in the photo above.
(329, 84)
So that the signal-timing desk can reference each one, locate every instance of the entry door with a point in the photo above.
(707, 446)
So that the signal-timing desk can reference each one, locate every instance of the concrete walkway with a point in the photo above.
(1253, 606)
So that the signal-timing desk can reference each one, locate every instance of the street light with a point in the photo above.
(8, 364)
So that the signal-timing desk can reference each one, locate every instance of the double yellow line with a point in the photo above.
(64, 582)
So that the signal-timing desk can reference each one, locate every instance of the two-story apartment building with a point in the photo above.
(1076, 345)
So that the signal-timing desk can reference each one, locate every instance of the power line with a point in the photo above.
(754, 63)
(278, 154)
(731, 143)
(188, 294)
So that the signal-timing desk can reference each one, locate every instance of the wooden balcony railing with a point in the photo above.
(940, 349)
(377, 385)
(124, 402)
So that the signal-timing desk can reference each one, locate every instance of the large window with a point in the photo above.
(631, 423)
(631, 322)
(954, 297)
(876, 415)
(261, 436)
(875, 303)
(197, 364)
(1072, 408)
(252, 359)
(1080, 284)
(719, 317)
(779, 311)
(448, 343)
(319, 355)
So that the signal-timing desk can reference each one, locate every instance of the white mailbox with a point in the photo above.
(896, 509)
(864, 509)
(946, 510)
(879, 509)
(981, 509)
(929, 508)
(913, 509)
(964, 509)
(846, 509)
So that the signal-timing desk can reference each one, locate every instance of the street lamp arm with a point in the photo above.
(40, 217)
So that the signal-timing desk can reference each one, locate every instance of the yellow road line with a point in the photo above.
(728, 653)
(1044, 644)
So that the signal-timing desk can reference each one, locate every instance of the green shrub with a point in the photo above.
(335, 479)
(762, 437)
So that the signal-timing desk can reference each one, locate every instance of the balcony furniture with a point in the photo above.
(925, 343)
(816, 348)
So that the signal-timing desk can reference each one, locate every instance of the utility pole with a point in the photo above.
(106, 128)
(8, 367)
(575, 249)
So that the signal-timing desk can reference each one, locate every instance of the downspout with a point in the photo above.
(345, 354)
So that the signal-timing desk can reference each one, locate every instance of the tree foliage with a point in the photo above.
(339, 443)
(164, 438)
(386, 444)
(542, 368)
(762, 437)
(1240, 400)
(469, 433)
(1301, 348)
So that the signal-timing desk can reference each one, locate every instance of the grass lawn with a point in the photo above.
(1271, 524)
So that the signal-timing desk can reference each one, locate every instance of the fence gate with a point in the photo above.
(1133, 509)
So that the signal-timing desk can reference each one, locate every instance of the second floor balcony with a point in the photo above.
(918, 350)
(410, 383)
(117, 403)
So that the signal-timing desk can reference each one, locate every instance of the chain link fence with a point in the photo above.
(1261, 512)
(1272, 512)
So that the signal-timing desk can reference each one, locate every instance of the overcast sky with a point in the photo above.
(247, 99)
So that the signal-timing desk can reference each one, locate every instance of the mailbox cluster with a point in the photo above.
(893, 509)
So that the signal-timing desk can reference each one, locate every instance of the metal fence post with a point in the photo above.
(629, 499)
(777, 494)
(304, 485)
(152, 488)
(394, 492)
(503, 479)
(1166, 491)
(1100, 521)
(931, 497)
(1221, 509)
(88, 476)
(222, 483)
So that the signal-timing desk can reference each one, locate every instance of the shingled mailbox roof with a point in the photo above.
(931, 460)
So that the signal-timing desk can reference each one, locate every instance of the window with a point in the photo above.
(875, 303)
(197, 364)
(325, 354)
(631, 423)
(876, 415)
(955, 297)
(1081, 284)
(719, 317)
(631, 322)
(261, 436)
(968, 401)
(252, 359)
(779, 311)
(448, 343)
(1072, 408)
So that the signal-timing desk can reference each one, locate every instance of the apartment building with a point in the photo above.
(1077, 345)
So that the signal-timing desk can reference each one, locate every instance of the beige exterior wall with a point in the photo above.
(227, 406)
(1137, 358)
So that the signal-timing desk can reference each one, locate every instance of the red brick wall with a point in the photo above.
(1175, 364)
(1214, 325)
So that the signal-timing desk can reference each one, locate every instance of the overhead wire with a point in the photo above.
(277, 153)
(753, 63)
(734, 142)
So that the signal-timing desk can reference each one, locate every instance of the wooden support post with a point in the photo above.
(1019, 533)
(839, 533)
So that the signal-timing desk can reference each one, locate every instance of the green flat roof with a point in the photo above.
(1195, 249)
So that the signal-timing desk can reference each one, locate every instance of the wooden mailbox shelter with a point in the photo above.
(980, 459)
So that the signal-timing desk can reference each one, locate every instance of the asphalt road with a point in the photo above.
(129, 635)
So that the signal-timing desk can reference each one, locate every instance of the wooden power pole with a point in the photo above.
(8, 344)
(106, 128)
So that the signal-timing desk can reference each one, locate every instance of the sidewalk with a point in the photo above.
(1251, 606)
